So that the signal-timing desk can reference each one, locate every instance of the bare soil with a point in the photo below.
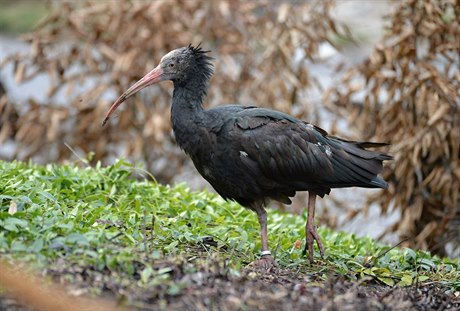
(212, 286)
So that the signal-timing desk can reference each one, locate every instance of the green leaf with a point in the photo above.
(409, 254)
(427, 264)
(387, 281)
(146, 274)
(18, 246)
(164, 270)
(14, 224)
(77, 238)
(37, 246)
(172, 246)
(423, 278)
(47, 195)
(174, 289)
(406, 280)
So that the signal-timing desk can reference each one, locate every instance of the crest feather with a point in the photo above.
(202, 59)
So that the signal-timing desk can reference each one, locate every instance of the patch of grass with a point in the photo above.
(105, 219)
(20, 16)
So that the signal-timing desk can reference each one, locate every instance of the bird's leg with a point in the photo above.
(262, 215)
(266, 261)
(310, 230)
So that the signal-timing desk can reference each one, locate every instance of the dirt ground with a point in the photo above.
(287, 290)
(214, 287)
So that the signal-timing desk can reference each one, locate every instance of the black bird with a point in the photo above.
(253, 155)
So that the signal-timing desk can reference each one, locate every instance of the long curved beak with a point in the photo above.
(154, 76)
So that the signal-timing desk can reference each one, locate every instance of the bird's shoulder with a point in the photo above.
(248, 117)
(254, 117)
(262, 122)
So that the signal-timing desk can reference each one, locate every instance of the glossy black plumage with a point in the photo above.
(252, 155)
(249, 154)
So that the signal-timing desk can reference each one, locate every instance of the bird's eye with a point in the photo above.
(171, 65)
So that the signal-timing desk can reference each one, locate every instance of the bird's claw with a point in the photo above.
(312, 235)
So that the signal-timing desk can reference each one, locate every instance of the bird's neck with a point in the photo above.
(186, 101)
(187, 112)
(191, 90)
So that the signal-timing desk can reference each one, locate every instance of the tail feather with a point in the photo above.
(379, 182)
(356, 166)
(358, 149)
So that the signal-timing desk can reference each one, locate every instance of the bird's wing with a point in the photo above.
(250, 112)
(292, 152)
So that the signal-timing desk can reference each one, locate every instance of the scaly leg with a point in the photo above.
(310, 230)
(266, 261)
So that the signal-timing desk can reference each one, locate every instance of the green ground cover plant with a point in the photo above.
(114, 218)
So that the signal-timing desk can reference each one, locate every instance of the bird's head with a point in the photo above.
(178, 66)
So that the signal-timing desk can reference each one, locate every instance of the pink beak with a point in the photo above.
(152, 77)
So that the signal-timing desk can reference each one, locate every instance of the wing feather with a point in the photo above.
(293, 153)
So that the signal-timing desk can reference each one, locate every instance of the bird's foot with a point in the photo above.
(266, 262)
(312, 235)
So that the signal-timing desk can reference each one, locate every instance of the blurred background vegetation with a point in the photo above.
(403, 90)
(20, 16)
